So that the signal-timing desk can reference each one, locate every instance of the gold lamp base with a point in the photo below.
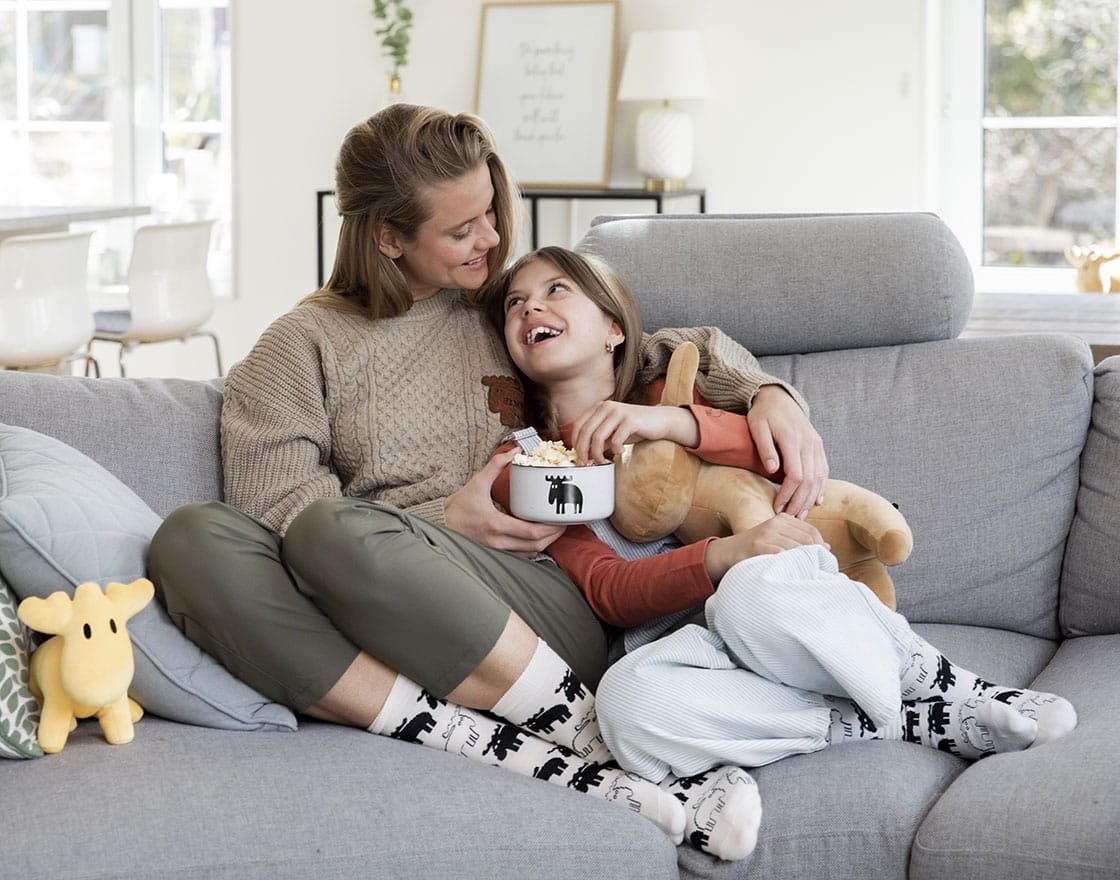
(664, 184)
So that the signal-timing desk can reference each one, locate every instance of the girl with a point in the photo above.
(792, 656)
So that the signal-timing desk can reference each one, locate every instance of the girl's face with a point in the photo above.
(451, 246)
(554, 332)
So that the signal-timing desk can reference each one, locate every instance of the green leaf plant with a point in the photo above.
(396, 20)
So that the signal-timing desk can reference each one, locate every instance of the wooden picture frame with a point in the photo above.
(546, 88)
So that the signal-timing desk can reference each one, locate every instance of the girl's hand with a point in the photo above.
(608, 426)
(781, 532)
(472, 512)
(786, 439)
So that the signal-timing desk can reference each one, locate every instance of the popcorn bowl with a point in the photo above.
(561, 494)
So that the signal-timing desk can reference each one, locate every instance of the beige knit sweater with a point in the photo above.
(402, 410)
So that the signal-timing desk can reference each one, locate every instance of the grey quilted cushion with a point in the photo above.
(65, 520)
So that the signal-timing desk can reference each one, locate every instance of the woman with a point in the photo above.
(359, 571)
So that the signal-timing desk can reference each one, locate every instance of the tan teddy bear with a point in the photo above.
(661, 488)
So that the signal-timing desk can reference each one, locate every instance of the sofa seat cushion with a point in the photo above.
(856, 804)
(65, 520)
(324, 802)
(1050, 811)
(862, 803)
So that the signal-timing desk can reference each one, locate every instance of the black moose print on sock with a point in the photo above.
(554, 766)
(548, 717)
(410, 729)
(506, 739)
(571, 687)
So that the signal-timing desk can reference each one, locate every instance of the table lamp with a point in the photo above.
(664, 65)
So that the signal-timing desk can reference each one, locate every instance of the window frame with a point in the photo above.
(134, 115)
(956, 121)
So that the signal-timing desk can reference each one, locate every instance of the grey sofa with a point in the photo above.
(1004, 454)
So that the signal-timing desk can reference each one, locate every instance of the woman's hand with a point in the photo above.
(608, 426)
(787, 440)
(780, 532)
(472, 512)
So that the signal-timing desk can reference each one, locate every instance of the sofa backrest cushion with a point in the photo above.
(978, 442)
(783, 284)
(158, 436)
(1091, 574)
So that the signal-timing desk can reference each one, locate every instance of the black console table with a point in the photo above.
(536, 194)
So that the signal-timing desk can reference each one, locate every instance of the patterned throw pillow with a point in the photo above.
(19, 711)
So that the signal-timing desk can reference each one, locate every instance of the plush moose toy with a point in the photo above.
(662, 489)
(85, 668)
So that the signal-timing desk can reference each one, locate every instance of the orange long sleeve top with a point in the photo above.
(624, 593)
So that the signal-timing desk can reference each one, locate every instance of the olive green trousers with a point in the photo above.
(288, 615)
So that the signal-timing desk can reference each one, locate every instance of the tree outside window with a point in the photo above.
(1049, 128)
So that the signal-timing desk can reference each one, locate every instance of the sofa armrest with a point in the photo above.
(1090, 595)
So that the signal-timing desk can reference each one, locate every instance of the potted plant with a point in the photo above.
(396, 21)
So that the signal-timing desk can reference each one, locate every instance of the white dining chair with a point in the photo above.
(169, 294)
(45, 315)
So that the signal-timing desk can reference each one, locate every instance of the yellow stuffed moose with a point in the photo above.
(662, 489)
(85, 668)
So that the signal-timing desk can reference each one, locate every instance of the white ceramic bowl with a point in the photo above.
(561, 494)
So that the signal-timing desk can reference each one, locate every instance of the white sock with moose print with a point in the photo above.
(928, 675)
(413, 715)
(547, 699)
(970, 728)
(722, 808)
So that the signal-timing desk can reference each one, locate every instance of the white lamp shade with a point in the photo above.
(664, 65)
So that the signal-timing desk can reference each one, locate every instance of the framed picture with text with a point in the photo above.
(546, 86)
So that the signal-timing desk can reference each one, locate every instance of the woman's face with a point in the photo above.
(553, 331)
(451, 246)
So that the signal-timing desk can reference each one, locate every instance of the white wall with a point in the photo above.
(818, 106)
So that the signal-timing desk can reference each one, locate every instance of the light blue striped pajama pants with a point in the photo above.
(781, 631)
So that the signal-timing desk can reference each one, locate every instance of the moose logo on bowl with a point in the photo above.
(563, 491)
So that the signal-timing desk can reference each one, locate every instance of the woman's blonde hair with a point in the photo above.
(384, 167)
(604, 287)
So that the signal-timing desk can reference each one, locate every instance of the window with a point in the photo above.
(1029, 121)
(55, 103)
(119, 101)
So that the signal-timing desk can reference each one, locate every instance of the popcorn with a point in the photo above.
(550, 453)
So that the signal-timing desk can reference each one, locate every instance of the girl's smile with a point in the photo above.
(541, 333)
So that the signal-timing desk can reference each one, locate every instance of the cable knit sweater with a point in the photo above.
(402, 410)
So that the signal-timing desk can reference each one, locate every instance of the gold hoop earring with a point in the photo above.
(609, 347)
